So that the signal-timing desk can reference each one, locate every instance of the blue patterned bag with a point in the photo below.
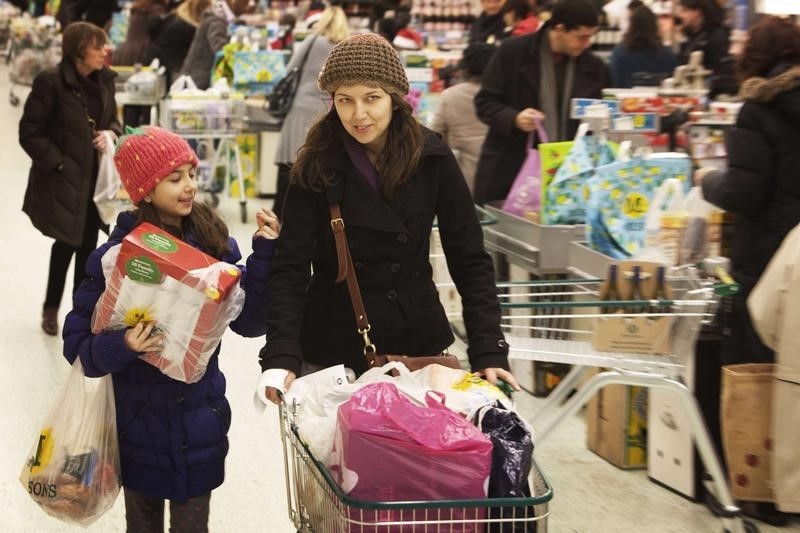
(621, 197)
(257, 72)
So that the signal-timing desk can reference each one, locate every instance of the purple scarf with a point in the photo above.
(359, 158)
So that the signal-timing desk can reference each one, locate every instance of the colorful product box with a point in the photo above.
(190, 296)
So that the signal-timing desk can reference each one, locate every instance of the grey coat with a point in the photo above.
(309, 101)
(462, 129)
(209, 39)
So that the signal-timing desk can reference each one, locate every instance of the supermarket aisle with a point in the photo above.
(591, 495)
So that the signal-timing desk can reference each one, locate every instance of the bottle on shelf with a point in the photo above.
(610, 293)
(636, 289)
(660, 292)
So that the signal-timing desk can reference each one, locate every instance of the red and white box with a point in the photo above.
(192, 297)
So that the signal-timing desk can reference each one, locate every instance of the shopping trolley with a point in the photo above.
(210, 121)
(34, 47)
(317, 504)
(556, 321)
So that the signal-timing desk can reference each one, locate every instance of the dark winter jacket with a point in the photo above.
(713, 42)
(487, 26)
(761, 185)
(137, 39)
(209, 39)
(98, 12)
(626, 61)
(510, 84)
(172, 435)
(170, 43)
(56, 134)
(311, 317)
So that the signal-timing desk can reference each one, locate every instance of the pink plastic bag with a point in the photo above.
(526, 191)
(388, 449)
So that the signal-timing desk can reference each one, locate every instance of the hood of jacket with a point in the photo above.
(782, 91)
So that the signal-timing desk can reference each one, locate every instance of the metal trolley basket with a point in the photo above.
(317, 504)
(555, 321)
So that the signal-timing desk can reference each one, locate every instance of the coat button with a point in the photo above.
(359, 265)
(402, 238)
(391, 295)
(395, 267)
(179, 400)
(353, 244)
(502, 344)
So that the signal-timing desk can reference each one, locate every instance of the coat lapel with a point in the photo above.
(361, 204)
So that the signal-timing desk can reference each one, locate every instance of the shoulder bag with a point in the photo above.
(347, 272)
(281, 98)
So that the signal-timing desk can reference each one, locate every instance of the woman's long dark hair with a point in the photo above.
(713, 14)
(202, 223)
(643, 31)
(396, 163)
(771, 42)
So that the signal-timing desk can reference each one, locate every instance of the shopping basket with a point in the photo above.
(317, 504)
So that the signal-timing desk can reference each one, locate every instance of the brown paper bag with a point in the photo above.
(746, 413)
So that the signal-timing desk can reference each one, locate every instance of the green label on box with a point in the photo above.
(142, 269)
(159, 243)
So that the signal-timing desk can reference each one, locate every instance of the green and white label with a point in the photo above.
(159, 243)
(143, 269)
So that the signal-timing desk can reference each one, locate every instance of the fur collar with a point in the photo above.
(766, 89)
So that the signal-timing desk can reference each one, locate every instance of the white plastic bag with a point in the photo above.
(108, 184)
(72, 470)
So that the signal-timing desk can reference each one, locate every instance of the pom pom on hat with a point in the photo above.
(146, 155)
(364, 59)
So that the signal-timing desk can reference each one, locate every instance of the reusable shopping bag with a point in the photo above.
(621, 197)
(525, 193)
(566, 195)
(72, 469)
(746, 414)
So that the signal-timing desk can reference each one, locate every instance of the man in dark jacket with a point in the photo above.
(534, 77)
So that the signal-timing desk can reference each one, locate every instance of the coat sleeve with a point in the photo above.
(252, 321)
(490, 103)
(217, 35)
(101, 354)
(471, 269)
(288, 278)
(33, 127)
(747, 185)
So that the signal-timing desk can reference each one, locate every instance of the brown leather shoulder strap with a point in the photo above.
(347, 272)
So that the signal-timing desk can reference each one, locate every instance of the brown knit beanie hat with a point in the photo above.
(364, 59)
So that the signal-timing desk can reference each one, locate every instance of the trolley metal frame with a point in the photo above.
(560, 331)
(317, 504)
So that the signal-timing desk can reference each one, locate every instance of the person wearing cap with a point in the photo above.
(392, 178)
(534, 78)
(455, 117)
(172, 435)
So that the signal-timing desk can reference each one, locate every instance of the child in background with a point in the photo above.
(172, 435)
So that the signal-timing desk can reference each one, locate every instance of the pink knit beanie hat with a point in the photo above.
(147, 155)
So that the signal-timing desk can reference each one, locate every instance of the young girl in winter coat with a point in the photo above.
(172, 435)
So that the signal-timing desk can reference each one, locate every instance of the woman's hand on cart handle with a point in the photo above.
(269, 227)
(274, 395)
(492, 375)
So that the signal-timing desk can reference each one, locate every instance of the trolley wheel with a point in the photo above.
(13, 99)
(243, 209)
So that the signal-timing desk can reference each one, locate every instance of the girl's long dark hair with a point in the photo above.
(396, 163)
(643, 31)
(203, 223)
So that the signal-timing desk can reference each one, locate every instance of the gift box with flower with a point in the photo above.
(192, 297)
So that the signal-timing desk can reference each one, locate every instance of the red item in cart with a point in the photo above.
(388, 449)
(191, 296)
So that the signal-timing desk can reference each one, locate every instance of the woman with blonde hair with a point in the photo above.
(309, 100)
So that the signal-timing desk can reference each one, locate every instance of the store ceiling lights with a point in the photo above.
(779, 7)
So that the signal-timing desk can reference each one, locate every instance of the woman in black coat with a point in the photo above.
(61, 130)
(703, 30)
(761, 185)
(389, 199)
